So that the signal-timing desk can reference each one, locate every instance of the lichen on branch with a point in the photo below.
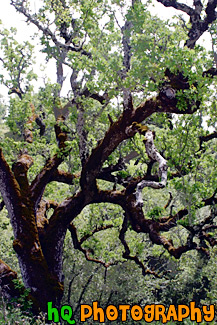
(154, 155)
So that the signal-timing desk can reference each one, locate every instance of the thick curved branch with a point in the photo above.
(122, 129)
(198, 26)
(90, 193)
(63, 177)
(117, 132)
(43, 178)
(166, 223)
(153, 228)
(177, 5)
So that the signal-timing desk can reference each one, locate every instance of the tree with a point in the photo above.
(126, 69)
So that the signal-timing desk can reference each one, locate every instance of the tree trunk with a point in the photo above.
(44, 284)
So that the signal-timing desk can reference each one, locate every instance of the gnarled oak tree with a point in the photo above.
(137, 84)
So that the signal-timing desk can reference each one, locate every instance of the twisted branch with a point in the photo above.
(154, 155)
(77, 244)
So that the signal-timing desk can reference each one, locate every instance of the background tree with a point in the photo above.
(126, 68)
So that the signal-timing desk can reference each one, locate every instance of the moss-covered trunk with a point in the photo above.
(42, 281)
(44, 284)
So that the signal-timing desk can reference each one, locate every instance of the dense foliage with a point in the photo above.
(108, 174)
